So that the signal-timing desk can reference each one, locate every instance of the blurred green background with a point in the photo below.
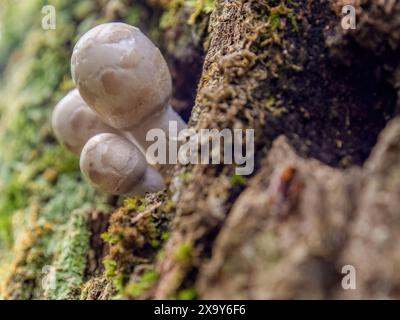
(43, 200)
(44, 204)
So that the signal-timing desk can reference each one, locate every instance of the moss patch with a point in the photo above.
(135, 235)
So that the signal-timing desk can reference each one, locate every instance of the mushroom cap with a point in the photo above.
(74, 123)
(121, 74)
(113, 164)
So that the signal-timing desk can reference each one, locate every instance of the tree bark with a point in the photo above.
(276, 67)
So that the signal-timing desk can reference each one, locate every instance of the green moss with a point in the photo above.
(169, 206)
(279, 12)
(273, 109)
(140, 287)
(187, 294)
(170, 18)
(237, 180)
(111, 238)
(71, 263)
(199, 7)
(194, 8)
(135, 239)
(165, 235)
(110, 268)
(134, 204)
(184, 253)
(160, 254)
(111, 273)
(134, 16)
(185, 176)
(155, 243)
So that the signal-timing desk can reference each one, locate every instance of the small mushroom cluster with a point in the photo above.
(123, 90)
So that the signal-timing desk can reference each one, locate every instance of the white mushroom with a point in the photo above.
(116, 166)
(123, 76)
(74, 123)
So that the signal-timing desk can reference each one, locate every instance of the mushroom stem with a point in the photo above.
(151, 182)
(163, 120)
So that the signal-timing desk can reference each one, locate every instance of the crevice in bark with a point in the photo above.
(97, 225)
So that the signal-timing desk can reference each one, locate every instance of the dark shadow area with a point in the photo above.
(331, 110)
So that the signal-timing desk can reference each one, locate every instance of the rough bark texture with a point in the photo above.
(285, 235)
(326, 187)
